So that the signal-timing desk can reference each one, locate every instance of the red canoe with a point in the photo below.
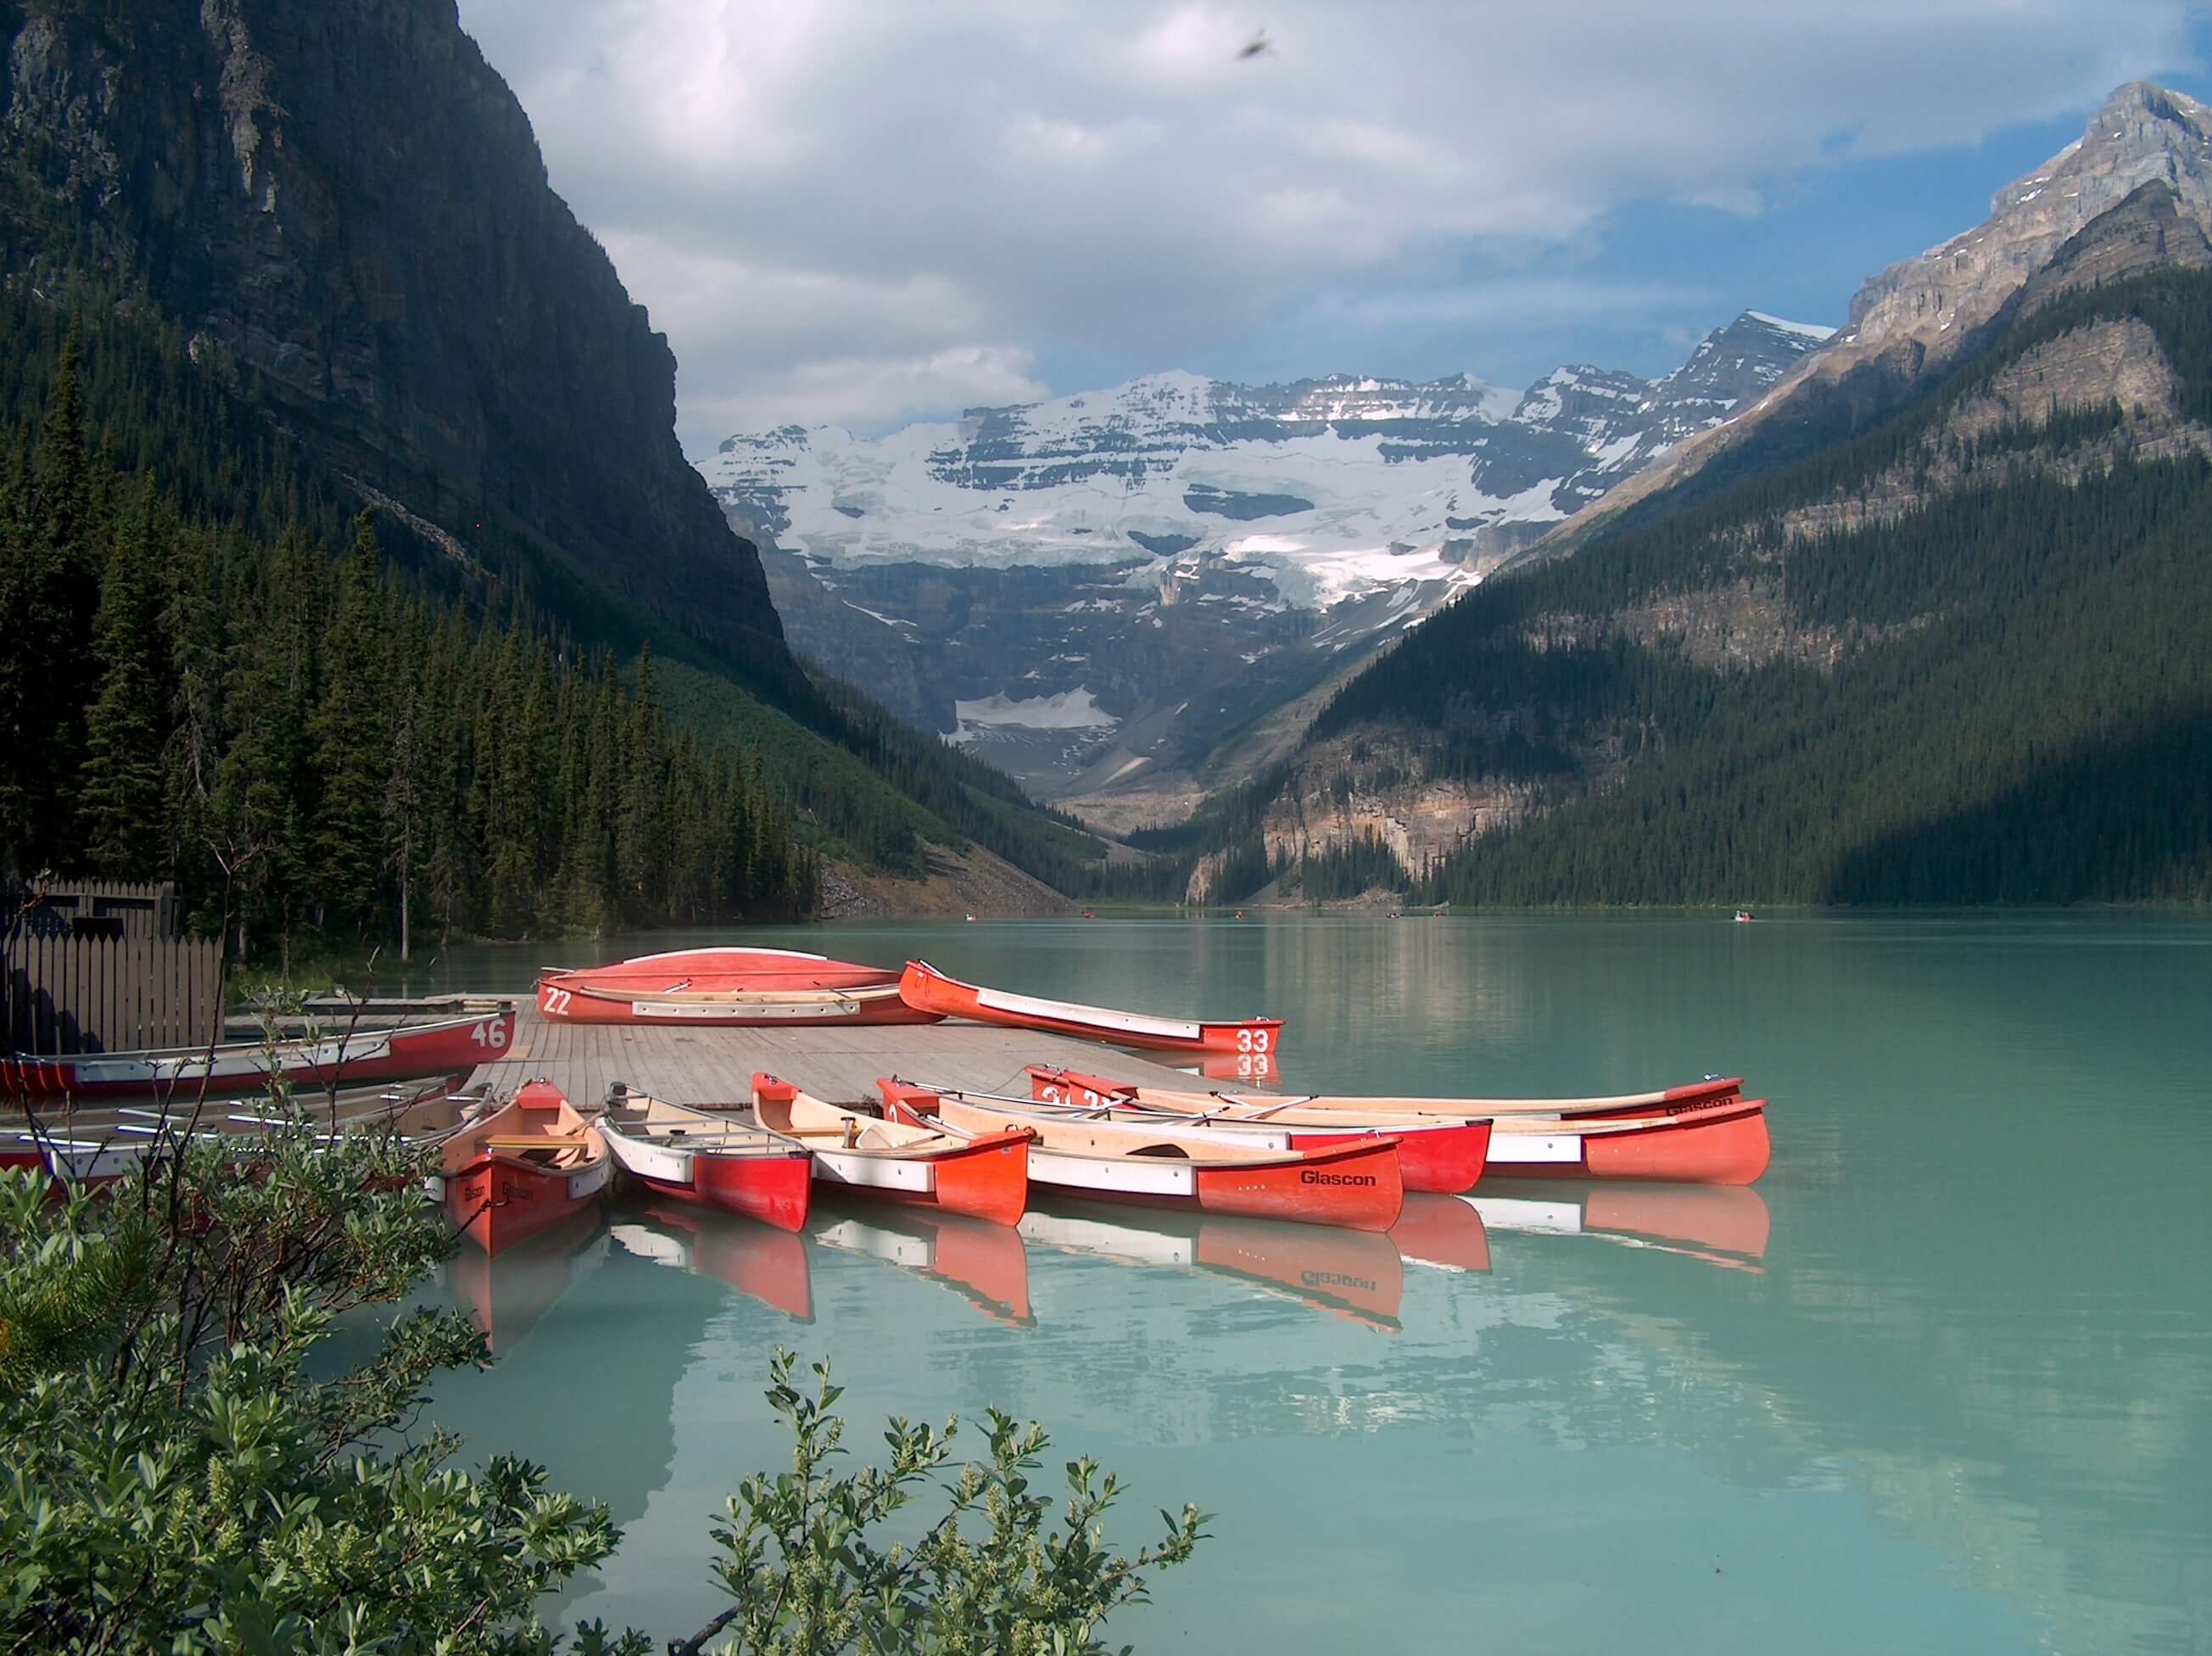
(1724, 1144)
(108, 1141)
(1435, 1154)
(523, 1169)
(696, 1156)
(1357, 1185)
(1714, 1093)
(350, 1058)
(726, 988)
(987, 1175)
(927, 990)
(1707, 1133)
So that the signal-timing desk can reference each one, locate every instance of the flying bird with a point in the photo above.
(1258, 43)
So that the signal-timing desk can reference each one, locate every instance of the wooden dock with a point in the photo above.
(841, 1065)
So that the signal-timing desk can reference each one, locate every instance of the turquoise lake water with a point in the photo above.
(1942, 1381)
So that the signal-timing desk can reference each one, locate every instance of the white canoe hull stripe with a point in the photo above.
(1546, 1149)
(1124, 1175)
(1133, 1023)
(659, 1162)
(874, 1173)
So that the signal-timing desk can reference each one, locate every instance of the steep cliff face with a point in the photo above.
(2143, 134)
(349, 201)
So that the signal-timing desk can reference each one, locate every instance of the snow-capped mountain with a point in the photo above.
(1097, 584)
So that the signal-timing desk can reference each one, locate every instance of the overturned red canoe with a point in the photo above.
(925, 988)
(726, 988)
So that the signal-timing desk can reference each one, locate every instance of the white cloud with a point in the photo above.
(866, 392)
(799, 189)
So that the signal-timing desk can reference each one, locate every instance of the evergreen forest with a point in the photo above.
(311, 745)
(322, 727)
(1996, 690)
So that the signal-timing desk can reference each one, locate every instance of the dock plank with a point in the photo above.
(717, 1066)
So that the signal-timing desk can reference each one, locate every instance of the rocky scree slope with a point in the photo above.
(1090, 590)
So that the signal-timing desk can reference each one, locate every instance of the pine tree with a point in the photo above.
(352, 738)
(121, 791)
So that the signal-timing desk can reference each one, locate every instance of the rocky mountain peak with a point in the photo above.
(1091, 586)
(2143, 134)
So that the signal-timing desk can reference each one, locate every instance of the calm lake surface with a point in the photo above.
(1942, 1382)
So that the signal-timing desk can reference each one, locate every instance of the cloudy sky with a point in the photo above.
(871, 213)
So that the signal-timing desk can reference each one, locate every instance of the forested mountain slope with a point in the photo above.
(318, 267)
(1956, 654)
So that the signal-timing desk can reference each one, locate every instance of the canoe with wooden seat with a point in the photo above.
(104, 1142)
(696, 1155)
(1439, 1153)
(523, 1168)
(1359, 1184)
(1708, 1134)
(986, 1175)
(1078, 1085)
(726, 988)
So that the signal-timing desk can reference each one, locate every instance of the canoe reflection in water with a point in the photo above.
(1715, 1224)
(759, 1261)
(1358, 1275)
(982, 1262)
(508, 1293)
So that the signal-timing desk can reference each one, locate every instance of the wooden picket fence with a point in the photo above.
(110, 908)
(92, 967)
